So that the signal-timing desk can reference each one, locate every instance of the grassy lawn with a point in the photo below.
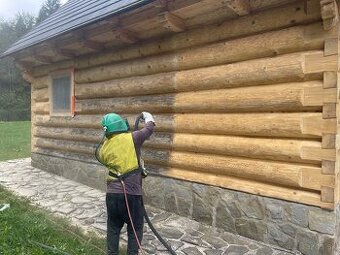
(15, 140)
(25, 230)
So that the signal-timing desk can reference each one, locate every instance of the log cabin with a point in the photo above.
(244, 93)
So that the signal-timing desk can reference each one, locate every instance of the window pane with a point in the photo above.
(61, 89)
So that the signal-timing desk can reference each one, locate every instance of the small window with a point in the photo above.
(61, 94)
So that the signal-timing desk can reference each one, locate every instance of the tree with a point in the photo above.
(14, 95)
(48, 8)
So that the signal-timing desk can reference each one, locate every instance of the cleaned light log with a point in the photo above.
(294, 125)
(175, 62)
(260, 148)
(287, 125)
(252, 24)
(253, 187)
(289, 97)
(248, 147)
(139, 85)
(286, 68)
(272, 172)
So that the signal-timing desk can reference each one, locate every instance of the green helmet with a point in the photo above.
(113, 123)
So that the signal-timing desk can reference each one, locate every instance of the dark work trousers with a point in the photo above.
(117, 215)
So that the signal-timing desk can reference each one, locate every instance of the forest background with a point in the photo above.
(15, 93)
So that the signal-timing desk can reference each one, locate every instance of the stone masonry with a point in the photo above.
(307, 229)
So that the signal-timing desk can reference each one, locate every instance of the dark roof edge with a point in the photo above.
(136, 5)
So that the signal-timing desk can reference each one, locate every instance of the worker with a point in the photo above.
(121, 153)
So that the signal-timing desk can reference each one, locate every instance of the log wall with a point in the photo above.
(247, 105)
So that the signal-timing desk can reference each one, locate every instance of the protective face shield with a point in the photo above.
(113, 123)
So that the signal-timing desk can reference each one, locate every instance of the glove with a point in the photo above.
(148, 117)
(145, 172)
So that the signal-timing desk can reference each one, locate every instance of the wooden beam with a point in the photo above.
(207, 34)
(64, 52)
(328, 141)
(93, 45)
(331, 46)
(55, 46)
(316, 153)
(329, 13)
(329, 80)
(24, 65)
(240, 7)
(327, 194)
(88, 43)
(125, 35)
(172, 22)
(329, 111)
(318, 63)
(160, 3)
(43, 59)
(328, 167)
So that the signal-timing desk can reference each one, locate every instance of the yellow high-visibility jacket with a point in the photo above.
(119, 155)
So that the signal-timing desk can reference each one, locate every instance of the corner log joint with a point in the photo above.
(329, 13)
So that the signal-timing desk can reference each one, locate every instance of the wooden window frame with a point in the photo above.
(58, 74)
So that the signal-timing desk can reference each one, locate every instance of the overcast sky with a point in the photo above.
(8, 8)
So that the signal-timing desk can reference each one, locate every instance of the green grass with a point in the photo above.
(24, 229)
(15, 140)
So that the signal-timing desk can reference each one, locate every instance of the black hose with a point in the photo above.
(166, 245)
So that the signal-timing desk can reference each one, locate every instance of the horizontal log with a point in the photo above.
(41, 107)
(68, 133)
(272, 172)
(258, 46)
(40, 95)
(67, 155)
(292, 97)
(90, 121)
(285, 68)
(249, 186)
(40, 82)
(252, 24)
(318, 153)
(66, 146)
(248, 147)
(318, 62)
(288, 125)
(171, 62)
(260, 148)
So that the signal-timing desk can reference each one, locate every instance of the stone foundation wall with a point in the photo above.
(92, 175)
(337, 230)
(292, 226)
